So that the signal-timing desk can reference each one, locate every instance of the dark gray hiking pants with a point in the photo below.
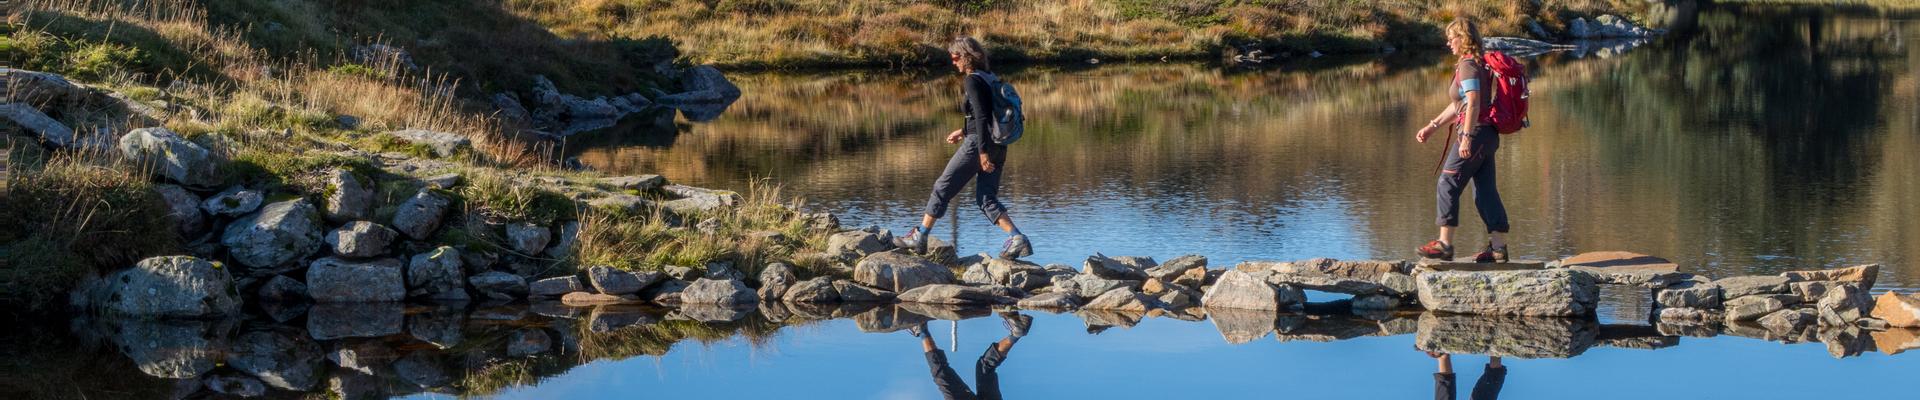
(963, 167)
(1479, 170)
(986, 375)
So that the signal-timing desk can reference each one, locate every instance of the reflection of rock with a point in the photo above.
(1242, 325)
(237, 386)
(281, 359)
(1528, 293)
(707, 312)
(1900, 310)
(946, 312)
(1330, 328)
(527, 342)
(613, 317)
(440, 326)
(1517, 337)
(1896, 340)
(343, 320)
(708, 93)
(1843, 342)
(1635, 337)
(887, 318)
(1050, 301)
(422, 369)
(363, 356)
(171, 349)
(1100, 320)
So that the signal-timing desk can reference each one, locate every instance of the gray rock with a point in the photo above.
(638, 183)
(1001, 271)
(612, 281)
(279, 234)
(1810, 289)
(48, 129)
(1579, 29)
(1118, 268)
(1788, 320)
(1089, 286)
(527, 238)
(1376, 302)
(420, 215)
(1121, 299)
(329, 321)
(667, 292)
(774, 280)
(554, 287)
(283, 289)
(499, 285)
(851, 244)
(233, 202)
(1179, 265)
(442, 181)
(1751, 285)
(285, 361)
(855, 293)
(332, 279)
(1513, 337)
(1028, 280)
(171, 156)
(1748, 308)
(1329, 283)
(724, 292)
(348, 198)
(723, 270)
(1844, 304)
(1681, 314)
(681, 273)
(361, 239)
(564, 242)
(816, 290)
(899, 272)
(1050, 301)
(183, 210)
(976, 274)
(708, 94)
(1251, 291)
(527, 342)
(422, 369)
(444, 144)
(1862, 276)
(176, 286)
(237, 386)
(437, 274)
(1690, 295)
(584, 299)
(1556, 292)
(957, 295)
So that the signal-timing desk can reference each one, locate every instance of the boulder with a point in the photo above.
(1121, 299)
(1788, 320)
(348, 197)
(1899, 310)
(1748, 308)
(708, 94)
(280, 288)
(554, 287)
(50, 131)
(437, 274)
(899, 272)
(443, 144)
(1752, 285)
(171, 156)
(168, 287)
(667, 292)
(336, 280)
(976, 274)
(282, 360)
(1251, 291)
(499, 285)
(637, 183)
(1812, 289)
(851, 244)
(958, 295)
(1690, 295)
(1050, 301)
(1177, 266)
(233, 202)
(1088, 286)
(774, 280)
(1538, 293)
(1862, 276)
(1118, 268)
(609, 280)
(723, 292)
(855, 293)
(183, 210)
(1028, 280)
(360, 239)
(1843, 305)
(528, 238)
(1001, 270)
(280, 233)
(1512, 337)
(816, 290)
(420, 215)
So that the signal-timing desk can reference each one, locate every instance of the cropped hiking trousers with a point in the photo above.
(965, 166)
(986, 375)
(1479, 170)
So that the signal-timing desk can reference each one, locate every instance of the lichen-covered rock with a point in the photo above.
(420, 215)
(1690, 295)
(280, 233)
(723, 270)
(1740, 286)
(976, 274)
(957, 294)
(855, 293)
(1862, 276)
(171, 156)
(1525, 293)
(554, 287)
(899, 272)
(816, 290)
(161, 287)
(348, 198)
(361, 239)
(1250, 291)
(527, 238)
(334, 280)
(1089, 286)
(499, 285)
(234, 201)
(724, 292)
(437, 274)
(183, 210)
(443, 144)
(774, 280)
(1121, 299)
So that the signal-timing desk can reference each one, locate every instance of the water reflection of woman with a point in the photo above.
(986, 375)
(1487, 388)
(1471, 112)
(978, 159)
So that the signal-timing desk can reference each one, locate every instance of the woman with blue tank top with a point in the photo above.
(1472, 161)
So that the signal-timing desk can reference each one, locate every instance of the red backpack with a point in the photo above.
(1510, 92)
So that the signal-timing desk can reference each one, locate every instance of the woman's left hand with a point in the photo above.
(986, 165)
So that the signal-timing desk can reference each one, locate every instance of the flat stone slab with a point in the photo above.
(1467, 265)
(1618, 261)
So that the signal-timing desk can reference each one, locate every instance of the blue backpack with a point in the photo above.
(1008, 121)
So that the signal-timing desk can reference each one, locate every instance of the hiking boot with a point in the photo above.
(918, 330)
(1017, 246)
(915, 241)
(1491, 254)
(1436, 250)
(1017, 324)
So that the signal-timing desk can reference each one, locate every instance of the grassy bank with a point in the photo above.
(809, 33)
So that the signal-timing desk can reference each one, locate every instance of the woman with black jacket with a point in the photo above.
(978, 159)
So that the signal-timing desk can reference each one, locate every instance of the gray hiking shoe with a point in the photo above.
(1017, 324)
(1016, 247)
(918, 330)
(915, 241)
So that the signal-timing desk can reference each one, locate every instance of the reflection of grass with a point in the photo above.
(658, 338)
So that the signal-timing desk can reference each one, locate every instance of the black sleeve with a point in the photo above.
(979, 111)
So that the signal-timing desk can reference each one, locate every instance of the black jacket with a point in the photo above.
(978, 108)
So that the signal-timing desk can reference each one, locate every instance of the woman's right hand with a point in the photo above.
(955, 136)
(1424, 133)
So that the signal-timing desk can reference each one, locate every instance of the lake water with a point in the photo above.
(1762, 140)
